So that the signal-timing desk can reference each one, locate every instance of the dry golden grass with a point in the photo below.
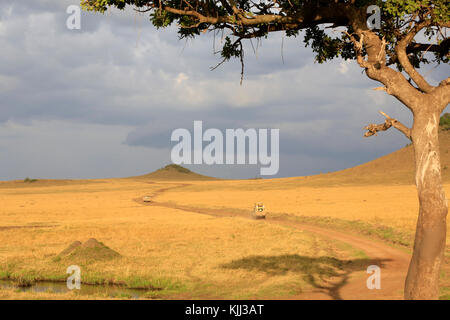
(390, 205)
(184, 253)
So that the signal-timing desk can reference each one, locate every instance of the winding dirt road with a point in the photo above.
(393, 262)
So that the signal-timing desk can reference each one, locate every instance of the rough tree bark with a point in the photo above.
(426, 103)
(422, 281)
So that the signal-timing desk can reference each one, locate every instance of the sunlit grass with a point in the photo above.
(173, 253)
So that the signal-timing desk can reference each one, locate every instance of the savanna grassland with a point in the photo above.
(179, 253)
(195, 240)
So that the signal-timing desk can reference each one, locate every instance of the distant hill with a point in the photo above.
(174, 172)
(37, 183)
(396, 167)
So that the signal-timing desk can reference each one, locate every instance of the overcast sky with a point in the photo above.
(102, 101)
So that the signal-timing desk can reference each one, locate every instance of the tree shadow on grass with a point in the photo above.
(325, 273)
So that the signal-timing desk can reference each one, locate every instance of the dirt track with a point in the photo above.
(393, 262)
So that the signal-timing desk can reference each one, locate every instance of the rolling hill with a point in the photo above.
(174, 172)
(395, 168)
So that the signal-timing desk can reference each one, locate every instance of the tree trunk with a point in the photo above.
(422, 281)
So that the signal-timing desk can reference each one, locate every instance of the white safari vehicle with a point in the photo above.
(147, 199)
(259, 212)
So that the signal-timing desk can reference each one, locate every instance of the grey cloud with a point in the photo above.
(121, 80)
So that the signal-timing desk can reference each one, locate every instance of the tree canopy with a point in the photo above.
(247, 19)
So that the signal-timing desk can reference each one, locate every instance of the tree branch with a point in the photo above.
(335, 13)
(442, 93)
(358, 46)
(402, 56)
(441, 48)
(372, 129)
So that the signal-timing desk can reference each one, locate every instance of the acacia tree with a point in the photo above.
(410, 34)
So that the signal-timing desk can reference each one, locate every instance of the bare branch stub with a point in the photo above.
(373, 129)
